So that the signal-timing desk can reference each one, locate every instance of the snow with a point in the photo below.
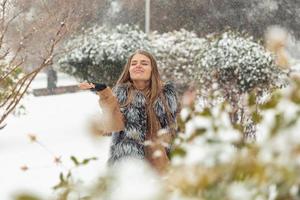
(63, 80)
(60, 124)
(239, 191)
(143, 184)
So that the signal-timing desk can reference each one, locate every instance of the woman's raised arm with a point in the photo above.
(112, 119)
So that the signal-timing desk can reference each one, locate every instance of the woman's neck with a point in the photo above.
(141, 85)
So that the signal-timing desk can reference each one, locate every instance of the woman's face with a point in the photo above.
(140, 68)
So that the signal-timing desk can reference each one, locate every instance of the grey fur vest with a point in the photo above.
(129, 143)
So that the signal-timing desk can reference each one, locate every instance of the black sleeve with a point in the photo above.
(98, 87)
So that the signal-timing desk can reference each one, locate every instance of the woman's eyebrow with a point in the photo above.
(141, 61)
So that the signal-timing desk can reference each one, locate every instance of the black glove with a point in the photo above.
(98, 87)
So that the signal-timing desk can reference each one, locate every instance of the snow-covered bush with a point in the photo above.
(233, 66)
(237, 65)
(211, 160)
(100, 53)
(175, 52)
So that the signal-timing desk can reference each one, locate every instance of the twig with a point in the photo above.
(21, 84)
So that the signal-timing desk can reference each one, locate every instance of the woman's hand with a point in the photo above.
(86, 86)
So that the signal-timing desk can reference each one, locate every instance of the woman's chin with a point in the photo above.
(139, 78)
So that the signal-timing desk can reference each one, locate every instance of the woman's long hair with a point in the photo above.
(154, 91)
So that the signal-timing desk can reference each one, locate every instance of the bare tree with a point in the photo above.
(31, 33)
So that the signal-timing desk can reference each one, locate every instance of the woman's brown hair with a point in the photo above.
(154, 91)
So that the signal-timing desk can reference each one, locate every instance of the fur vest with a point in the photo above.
(129, 142)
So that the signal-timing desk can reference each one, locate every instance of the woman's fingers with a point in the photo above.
(81, 85)
(92, 85)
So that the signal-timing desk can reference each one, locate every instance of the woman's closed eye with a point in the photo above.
(144, 63)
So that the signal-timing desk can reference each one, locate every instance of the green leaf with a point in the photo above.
(238, 127)
(272, 103)
(86, 198)
(292, 122)
(178, 152)
(62, 181)
(213, 141)
(206, 112)
(198, 132)
(61, 177)
(256, 117)
(252, 99)
(87, 160)
(277, 124)
(26, 197)
(69, 174)
(75, 160)
(295, 96)
(59, 185)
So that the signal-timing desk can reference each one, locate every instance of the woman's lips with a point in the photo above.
(138, 71)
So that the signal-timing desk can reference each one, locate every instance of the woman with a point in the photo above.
(142, 112)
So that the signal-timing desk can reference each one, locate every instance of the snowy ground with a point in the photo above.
(60, 124)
